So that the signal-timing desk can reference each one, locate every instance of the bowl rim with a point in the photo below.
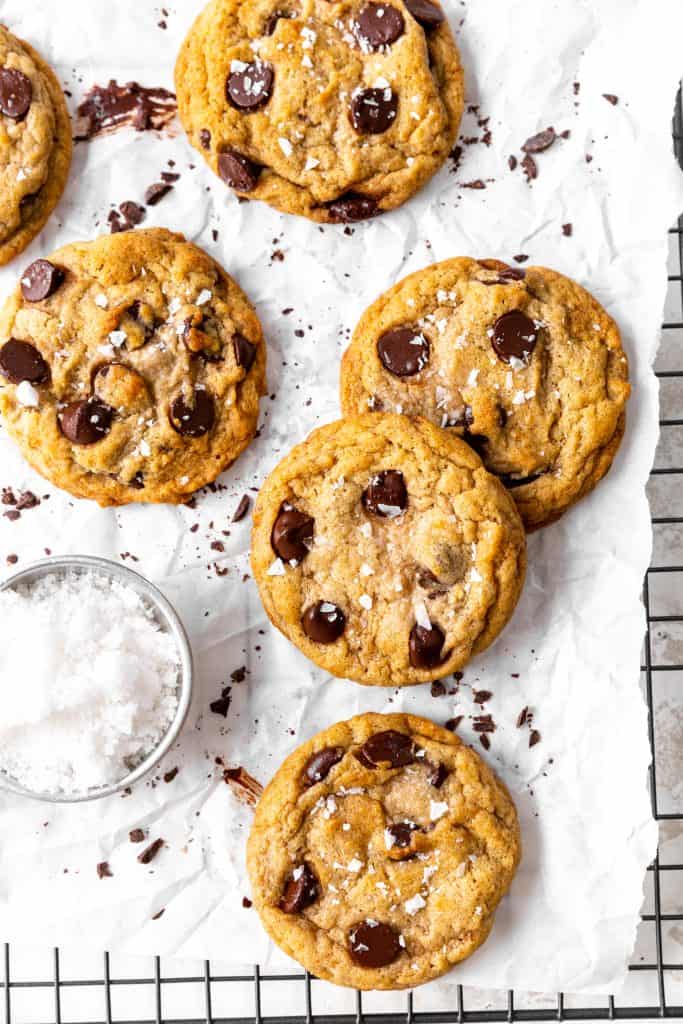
(167, 617)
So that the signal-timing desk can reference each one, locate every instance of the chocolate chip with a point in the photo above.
(437, 774)
(40, 280)
(271, 24)
(403, 352)
(292, 534)
(380, 25)
(249, 88)
(425, 646)
(301, 889)
(505, 273)
(388, 749)
(428, 15)
(193, 420)
(133, 213)
(386, 495)
(205, 138)
(351, 208)
(373, 111)
(539, 143)
(85, 422)
(20, 361)
(320, 764)
(401, 833)
(16, 93)
(155, 193)
(103, 870)
(245, 352)
(137, 835)
(238, 171)
(373, 944)
(514, 336)
(323, 622)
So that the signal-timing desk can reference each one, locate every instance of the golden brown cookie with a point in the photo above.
(524, 364)
(130, 368)
(35, 144)
(380, 852)
(385, 551)
(335, 111)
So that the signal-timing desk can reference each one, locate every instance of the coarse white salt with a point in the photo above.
(90, 682)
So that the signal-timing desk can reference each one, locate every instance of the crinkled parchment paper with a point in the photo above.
(571, 652)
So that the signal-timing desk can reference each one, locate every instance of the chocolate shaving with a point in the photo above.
(148, 855)
(481, 696)
(244, 786)
(522, 717)
(242, 508)
(483, 723)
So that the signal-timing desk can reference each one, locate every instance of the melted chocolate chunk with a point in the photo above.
(107, 108)
(20, 361)
(86, 422)
(238, 171)
(386, 495)
(379, 25)
(426, 13)
(193, 420)
(514, 336)
(403, 352)
(323, 622)
(351, 208)
(401, 832)
(245, 352)
(40, 280)
(16, 93)
(428, 581)
(511, 482)
(320, 764)
(373, 111)
(373, 944)
(249, 88)
(425, 646)
(271, 23)
(301, 889)
(292, 534)
(388, 749)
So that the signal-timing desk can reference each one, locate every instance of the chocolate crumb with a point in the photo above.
(156, 192)
(481, 696)
(567, 230)
(540, 142)
(520, 258)
(534, 738)
(512, 162)
(222, 705)
(485, 741)
(170, 776)
(522, 717)
(611, 98)
(246, 902)
(159, 913)
(453, 723)
(150, 853)
(12, 559)
(103, 870)
(137, 835)
(530, 167)
(438, 689)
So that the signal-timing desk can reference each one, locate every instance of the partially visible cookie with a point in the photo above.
(35, 144)
(380, 852)
(385, 551)
(335, 111)
(130, 368)
(524, 364)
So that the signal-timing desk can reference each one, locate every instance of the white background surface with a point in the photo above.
(570, 919)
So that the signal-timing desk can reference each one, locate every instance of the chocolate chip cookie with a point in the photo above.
(130, 368)
(525, 365)
(385, 551)
(335, 111)
(35, 144)
(380, 852)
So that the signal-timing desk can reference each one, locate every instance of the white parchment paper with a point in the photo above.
(572, 650)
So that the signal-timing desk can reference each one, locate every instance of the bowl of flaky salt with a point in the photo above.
(95, 679)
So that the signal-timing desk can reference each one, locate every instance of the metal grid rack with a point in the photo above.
(169, 992)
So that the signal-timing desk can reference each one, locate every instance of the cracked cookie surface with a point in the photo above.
(332, 110)
(35, 144)
(524, 364)
(130, 368)
(385, 551)
(380, 851)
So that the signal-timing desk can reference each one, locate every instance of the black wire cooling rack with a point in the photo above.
(167, 992)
